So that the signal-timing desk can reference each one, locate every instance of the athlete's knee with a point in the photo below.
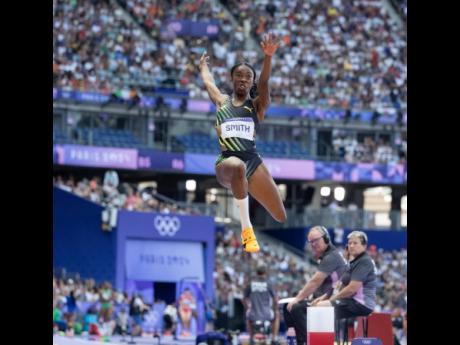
(223, 180)
(281, 216)
(239, 171)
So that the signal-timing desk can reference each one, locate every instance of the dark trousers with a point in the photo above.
(297, 318)
(347, 308)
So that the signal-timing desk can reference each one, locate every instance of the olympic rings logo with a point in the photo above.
(166, 225)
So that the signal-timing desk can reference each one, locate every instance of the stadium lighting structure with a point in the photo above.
(339, 193)
(325, 191)
(190, 185)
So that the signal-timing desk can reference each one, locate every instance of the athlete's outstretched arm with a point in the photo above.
(214, 93)
(262, 101)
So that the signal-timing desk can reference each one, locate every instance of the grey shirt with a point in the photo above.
(334, 265)
(362, 269)
(261, 295)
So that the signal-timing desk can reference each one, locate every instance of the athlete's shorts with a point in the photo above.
(251, 159)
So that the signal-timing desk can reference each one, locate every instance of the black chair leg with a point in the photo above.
(342, 334)
(337, 330)
(364, 326)
(346, 331)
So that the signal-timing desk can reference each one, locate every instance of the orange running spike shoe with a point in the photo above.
(249, 241)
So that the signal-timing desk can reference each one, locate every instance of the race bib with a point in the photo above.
(240, 127)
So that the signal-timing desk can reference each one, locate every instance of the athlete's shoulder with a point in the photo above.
(225, 103)
(249, 106)
(250, 103)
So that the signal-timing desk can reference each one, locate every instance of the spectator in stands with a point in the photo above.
(71, 300)
(82, 189)
(331, 267)
(134, 98)
(106, 301)
(111, 181)
(120, 297)
(261, 304)
(170, 319)
(95, 194)
(122, 322)
(359, 153)
(90, 321)
(136, 311)
(369, 148)
(92, 292)
(239, 167)
(69, 318)
(132, 200)
(60, 324)
(210, 315)
(357, 292)
(69, 185)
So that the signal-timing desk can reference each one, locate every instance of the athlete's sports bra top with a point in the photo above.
(238, 126)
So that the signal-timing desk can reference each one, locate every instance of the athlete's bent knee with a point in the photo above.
(239, 172)
(281, 216)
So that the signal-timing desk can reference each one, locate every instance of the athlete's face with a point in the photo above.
(242, 80)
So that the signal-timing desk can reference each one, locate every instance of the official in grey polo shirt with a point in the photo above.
(331, 267)
(356, 295)
(261, 303)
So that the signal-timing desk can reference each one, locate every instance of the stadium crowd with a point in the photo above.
(127, 196)
(338, 53)
(401, 8)
(82, 305)
(348, 149)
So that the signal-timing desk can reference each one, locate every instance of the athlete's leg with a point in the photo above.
(231, 173)
(263, 188)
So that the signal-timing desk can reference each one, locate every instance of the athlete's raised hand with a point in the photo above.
(269, 44)
(204, 60)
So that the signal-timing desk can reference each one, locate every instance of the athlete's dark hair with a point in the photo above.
(253, 90)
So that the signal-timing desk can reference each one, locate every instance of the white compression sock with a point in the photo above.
(243, 205)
